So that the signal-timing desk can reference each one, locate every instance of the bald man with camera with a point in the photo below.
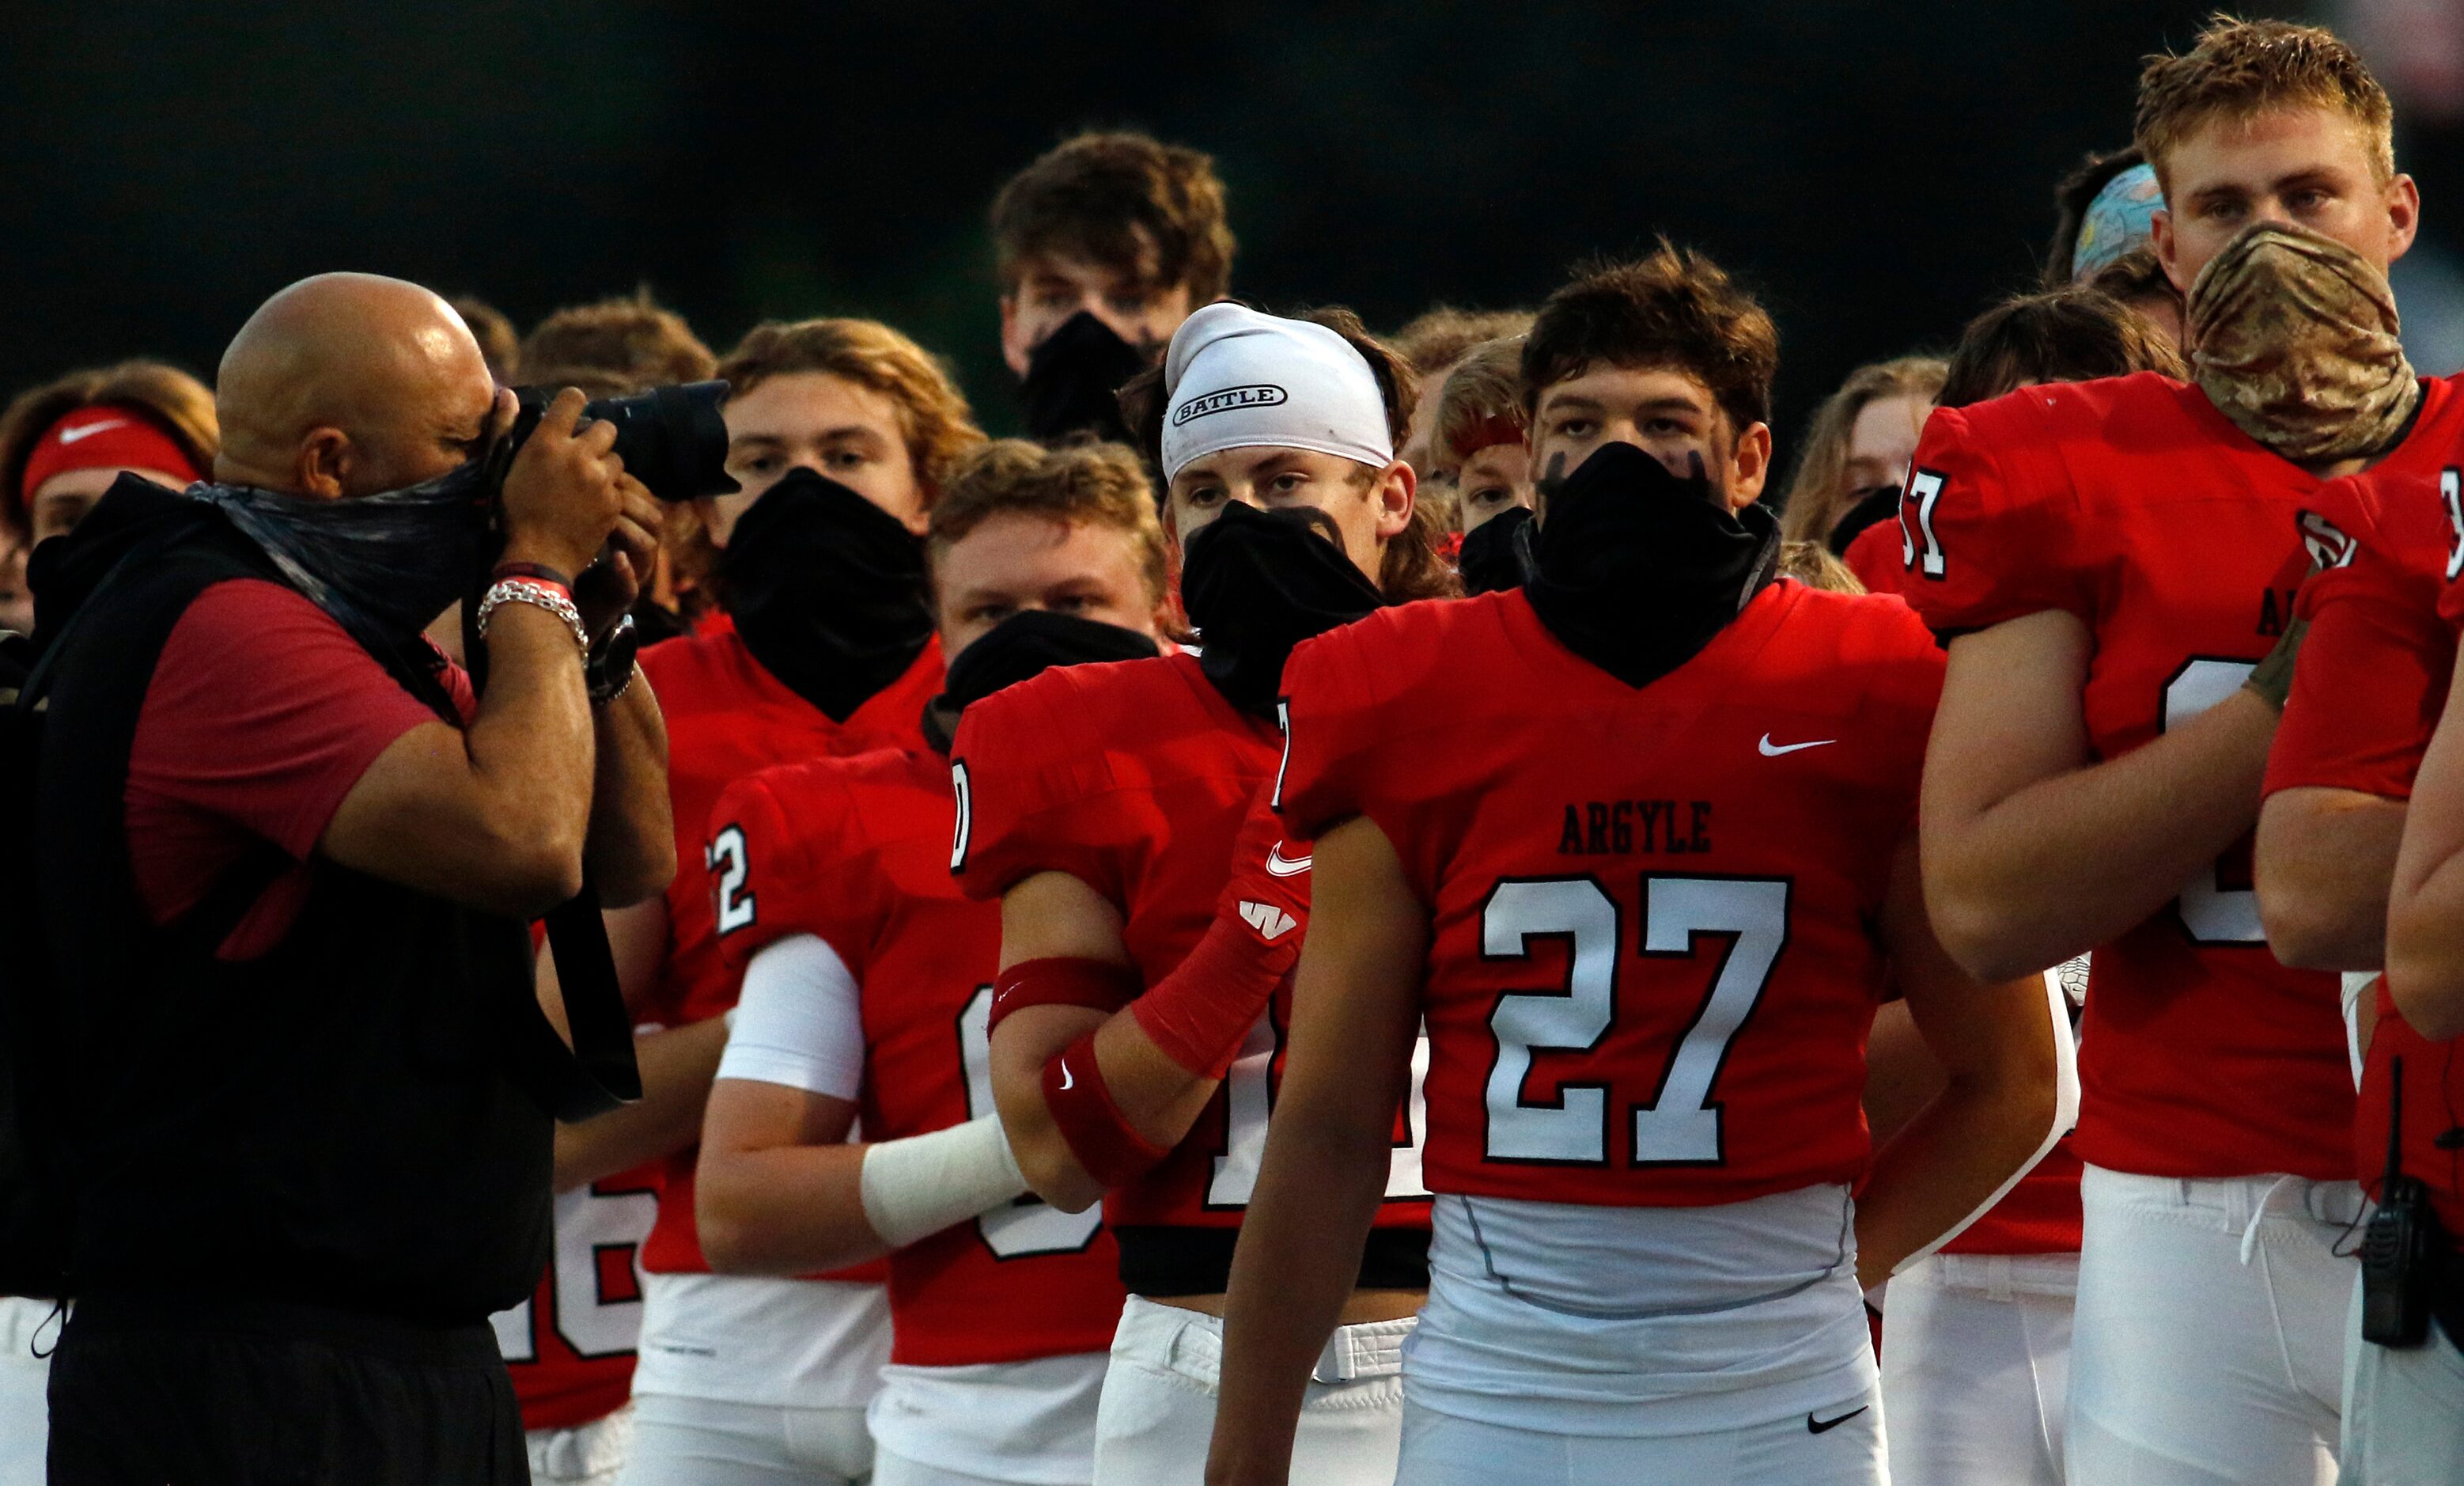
(300, 1133)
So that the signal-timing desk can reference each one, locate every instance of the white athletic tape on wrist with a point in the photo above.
(915, 1188)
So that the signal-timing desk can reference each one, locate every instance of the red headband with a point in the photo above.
(106, 436)
(1494, 430)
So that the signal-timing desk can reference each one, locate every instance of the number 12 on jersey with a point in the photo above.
(1682, 1124)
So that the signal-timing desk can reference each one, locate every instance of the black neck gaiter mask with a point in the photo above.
(382, 566)
(827, 590)
(1639, 568)
(1256, 584)
(1074, 377)
(1026, 644)
(1496, 555)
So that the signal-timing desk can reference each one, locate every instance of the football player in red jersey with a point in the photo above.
(2370, 684)
(868, 990)
(1637, 841)
(1976, 1339)
(2110, 561)
(840, 432)
(1102, 804)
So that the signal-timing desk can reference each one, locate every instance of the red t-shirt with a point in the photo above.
(1652, 964)
(857, 852)
(2177, 540)
(262, 715)
(1134, 777)
(727, 718)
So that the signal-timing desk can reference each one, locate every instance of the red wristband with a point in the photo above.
(1103, 1140)
(538, 570)
(1097, 984)
(1201, 1014)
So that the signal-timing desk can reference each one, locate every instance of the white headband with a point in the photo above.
(1236, 379)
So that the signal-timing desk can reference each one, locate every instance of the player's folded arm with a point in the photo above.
(2011, 1090)
(2339, 771)
(2425, 946)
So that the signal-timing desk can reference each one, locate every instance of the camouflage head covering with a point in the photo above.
(2293, 337)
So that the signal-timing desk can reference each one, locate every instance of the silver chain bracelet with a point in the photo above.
(542, 595)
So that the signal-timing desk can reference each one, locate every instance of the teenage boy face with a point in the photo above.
(1052, 287)
(1370, 507)
(1667, 413)
(1016, 561)
(2310, 167)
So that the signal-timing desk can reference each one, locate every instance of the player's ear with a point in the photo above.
(1749, 466)
(1395, 491)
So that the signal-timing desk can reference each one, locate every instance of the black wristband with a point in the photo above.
(539, 570)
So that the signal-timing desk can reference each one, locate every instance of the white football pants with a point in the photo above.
(2208, 1345)
(1158, 1413)
(1976, 1354)
(703, 1442)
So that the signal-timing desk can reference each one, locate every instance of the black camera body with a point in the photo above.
(672, 438)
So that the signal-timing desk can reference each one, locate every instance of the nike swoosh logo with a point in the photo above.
(71, 436)
(1068, 1077)
(1814, 1426)
(1281, 866)
(1771, 750)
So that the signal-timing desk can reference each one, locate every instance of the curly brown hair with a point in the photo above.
(932, 414)
(1102, 484)
(1437, 339)
(177, 403)
(1674, 308)
(2239, 69)
(631, 340)
(2075, 334)
(1151, 211)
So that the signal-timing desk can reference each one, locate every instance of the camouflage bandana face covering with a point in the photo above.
(2293, 337)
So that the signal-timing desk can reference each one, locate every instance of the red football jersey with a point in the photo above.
(857, 852)
(727, 716)
(2179, 542)
(1875, 557)
(2039, 1214)
(1134, 777)
(2373, 677)
(1652, 965)
(570, 1346)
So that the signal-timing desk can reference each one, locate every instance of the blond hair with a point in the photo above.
(932, 414)
(1816, 497)
(632, 341)
(1089, 483)
(2238, 69)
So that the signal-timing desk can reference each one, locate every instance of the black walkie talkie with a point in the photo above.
(2400, 1245)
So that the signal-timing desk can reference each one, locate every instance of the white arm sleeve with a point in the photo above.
(2066, 1100)
(800, 1022)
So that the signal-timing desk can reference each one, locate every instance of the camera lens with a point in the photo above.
(672, 438)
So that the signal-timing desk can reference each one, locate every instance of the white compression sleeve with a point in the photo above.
(800, 1022)
(916, 1187)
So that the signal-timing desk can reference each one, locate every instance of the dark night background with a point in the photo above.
(1878, 171)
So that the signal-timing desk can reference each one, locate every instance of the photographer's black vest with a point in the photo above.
(332, 1124)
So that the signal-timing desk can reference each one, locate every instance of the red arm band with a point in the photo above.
(1098, 985)
(1201, 1012)
(1104, 1142)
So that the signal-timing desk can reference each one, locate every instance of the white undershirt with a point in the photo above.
(755, 1340)
(1639, 1322)
(800, 1022)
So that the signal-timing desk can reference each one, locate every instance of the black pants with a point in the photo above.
(186, 1392)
